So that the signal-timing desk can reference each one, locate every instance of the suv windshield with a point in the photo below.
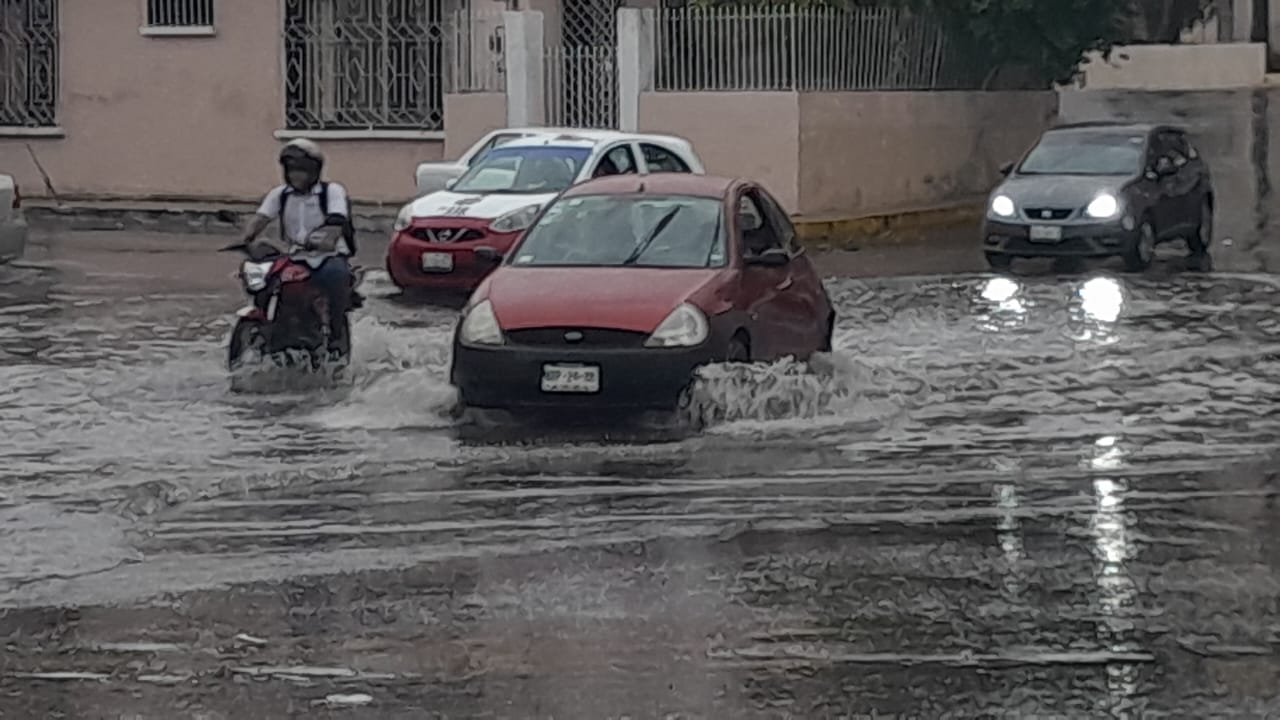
(1086, 154)
(620, 230)
(541, 169)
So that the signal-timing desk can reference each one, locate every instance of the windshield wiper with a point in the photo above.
(653, 235)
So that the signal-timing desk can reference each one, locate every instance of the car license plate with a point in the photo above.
(437, 261)
(1046, 233)
(570, 378)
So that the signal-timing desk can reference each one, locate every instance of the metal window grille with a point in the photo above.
(790, 47)
(364, 64)
(477, 56)
(581, 73)
(179, 13)
(28, 63)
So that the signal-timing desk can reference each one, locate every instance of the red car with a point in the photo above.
(624, 285)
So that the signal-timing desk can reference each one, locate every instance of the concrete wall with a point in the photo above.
(469, 117)
(863, 152)
(150, 116)
(1232, 129)
(1177, 67)
(748, 134)
(842, 154)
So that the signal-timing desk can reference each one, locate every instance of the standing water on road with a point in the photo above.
(1009, 496)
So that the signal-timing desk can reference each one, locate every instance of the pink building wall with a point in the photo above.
(175, 117)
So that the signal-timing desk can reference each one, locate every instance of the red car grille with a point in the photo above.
(578, 337)
(445, 234)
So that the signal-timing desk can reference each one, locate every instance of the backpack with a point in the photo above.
(348, 226)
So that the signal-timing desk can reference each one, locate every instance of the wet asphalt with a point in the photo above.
(1030, 496)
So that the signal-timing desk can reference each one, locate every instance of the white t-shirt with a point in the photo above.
(303, 215)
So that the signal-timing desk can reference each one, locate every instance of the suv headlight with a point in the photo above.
(254, 275)
(1002, 206)
(480, 326)
(515, 220)
(404, 219)
(1103, 207)
(686, 326)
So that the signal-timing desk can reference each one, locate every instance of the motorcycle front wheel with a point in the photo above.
(245, 337)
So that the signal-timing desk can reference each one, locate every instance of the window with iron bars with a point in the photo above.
(364, 64)
(28, 63)
(180, 14)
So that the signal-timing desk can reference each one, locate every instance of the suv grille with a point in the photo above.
(1048, 213)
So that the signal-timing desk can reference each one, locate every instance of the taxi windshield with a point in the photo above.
(526, 169)
(674, 231)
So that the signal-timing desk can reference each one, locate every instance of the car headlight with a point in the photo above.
(686, 326)
(516, 220)
(1002, 206)
(254, 275)
(404, 219)
(480, 326)
(1103, 207)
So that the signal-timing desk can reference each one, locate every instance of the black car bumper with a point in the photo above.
(510, 377)
(1092, 240)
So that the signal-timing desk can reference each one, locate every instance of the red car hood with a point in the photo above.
(634, 299)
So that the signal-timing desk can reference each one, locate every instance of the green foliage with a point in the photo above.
(1036, 43)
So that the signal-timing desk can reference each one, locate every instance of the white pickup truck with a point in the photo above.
(13, 229)
(435, 176)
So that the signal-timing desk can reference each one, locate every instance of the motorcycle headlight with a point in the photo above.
(1103, 207)
(254, 275)
(480, 326)
(404, 219)
(515, 220)
(686, 326)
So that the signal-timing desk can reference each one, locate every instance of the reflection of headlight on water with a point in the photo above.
(1102, 299)
(1107, 455)
(1000, 289)
(1003, 293)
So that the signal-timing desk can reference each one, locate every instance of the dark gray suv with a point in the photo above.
(1102, 189)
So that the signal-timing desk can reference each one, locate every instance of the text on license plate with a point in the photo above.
(570, 378)
(1046, 233)
(437, 261)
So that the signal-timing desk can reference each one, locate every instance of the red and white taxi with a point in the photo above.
(452, 239)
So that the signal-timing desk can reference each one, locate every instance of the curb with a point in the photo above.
(837, 233)
(890, 229)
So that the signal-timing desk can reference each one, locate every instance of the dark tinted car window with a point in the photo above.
(1062, 153)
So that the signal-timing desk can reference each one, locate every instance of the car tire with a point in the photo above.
(1198, 244)
(828, 342)
(1138, 256)
(739, 349)
(999, 261)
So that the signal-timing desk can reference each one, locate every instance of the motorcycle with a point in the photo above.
(289, 315)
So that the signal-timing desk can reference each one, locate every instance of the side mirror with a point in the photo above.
(488, 254)
(1006, 168)
(771, 258)
(448, 184)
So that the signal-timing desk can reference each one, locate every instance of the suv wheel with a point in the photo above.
(1198, 244)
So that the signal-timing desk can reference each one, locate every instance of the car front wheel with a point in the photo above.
(1198, 244)
(999, 261)
(1142, 250)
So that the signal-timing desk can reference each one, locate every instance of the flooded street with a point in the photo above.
(1028, 496)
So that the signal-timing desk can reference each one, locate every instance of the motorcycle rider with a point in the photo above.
(315, 225)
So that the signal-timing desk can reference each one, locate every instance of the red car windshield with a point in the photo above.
(623, 230)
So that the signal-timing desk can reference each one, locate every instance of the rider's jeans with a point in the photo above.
(334, 278)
